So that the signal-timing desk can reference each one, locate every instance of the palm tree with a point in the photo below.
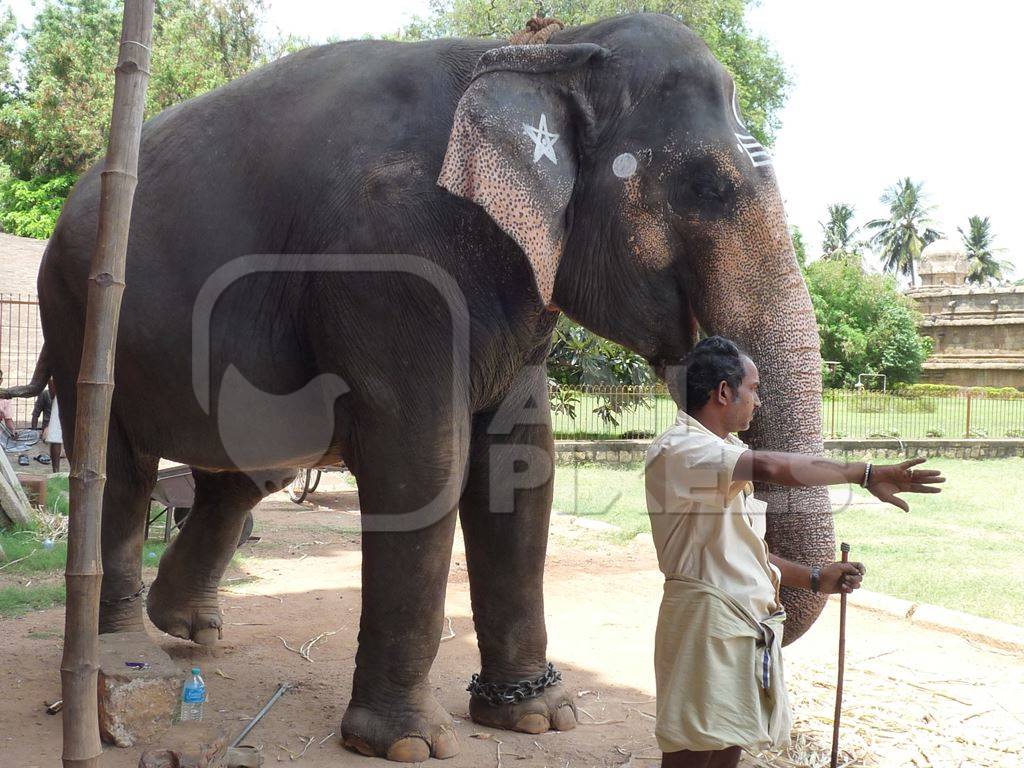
(839, 232)
(901, 237)
(983, 266)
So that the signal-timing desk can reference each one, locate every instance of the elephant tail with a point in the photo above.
(40, 377)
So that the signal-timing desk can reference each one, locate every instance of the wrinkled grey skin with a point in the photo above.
(382, 148)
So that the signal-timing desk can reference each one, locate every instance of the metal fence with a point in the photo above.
(591, 412)
(969, 414)
(21, 338)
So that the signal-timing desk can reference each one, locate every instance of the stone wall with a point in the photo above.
(626, 451)
(978, 334)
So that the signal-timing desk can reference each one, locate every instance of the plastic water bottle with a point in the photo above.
(193, 696)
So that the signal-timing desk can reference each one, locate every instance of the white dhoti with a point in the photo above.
(719, 672)
(53, 432)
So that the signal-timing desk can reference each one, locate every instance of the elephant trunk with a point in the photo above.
(772, 319)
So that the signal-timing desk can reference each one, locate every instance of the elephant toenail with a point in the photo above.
(564, 718)
(446, 745)
(206, 636)
(358, 745)
(532, 723)
(411, 749)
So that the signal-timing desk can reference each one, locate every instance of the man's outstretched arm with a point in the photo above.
(799, 470)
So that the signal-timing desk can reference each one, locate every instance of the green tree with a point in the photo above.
(581, 357)
(865, 323)
(54, 123)
(58, 122)
(8, 36)
(761, 79)
(839, 232)
(983, 266)
(901, 237)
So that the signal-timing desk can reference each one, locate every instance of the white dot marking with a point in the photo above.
(624, 165)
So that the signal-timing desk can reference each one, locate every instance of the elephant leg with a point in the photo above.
(409, 481)
(130, 480)
(183, 600)
(505, 510)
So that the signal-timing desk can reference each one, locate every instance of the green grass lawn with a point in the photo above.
(960, 549)
(41, 570)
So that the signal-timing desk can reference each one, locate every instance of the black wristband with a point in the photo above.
(815, 579)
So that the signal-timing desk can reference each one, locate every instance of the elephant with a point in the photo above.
(359, 252)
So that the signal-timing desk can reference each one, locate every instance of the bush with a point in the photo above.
(30, 208)
(865, 323)
(882, 434)
(884, 403)
(934, 432)
(952, 390)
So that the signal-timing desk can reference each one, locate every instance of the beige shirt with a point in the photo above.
(705, 525)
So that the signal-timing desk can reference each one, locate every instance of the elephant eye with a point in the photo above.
(707, 194)
(710, 189)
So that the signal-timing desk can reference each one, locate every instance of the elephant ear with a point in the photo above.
(513, 146)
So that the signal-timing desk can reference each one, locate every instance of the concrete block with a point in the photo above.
(189, 745)
(35, 488)
(136, 704)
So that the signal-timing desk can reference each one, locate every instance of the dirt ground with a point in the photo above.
(914, 696)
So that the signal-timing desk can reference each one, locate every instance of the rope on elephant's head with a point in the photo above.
(538, 31)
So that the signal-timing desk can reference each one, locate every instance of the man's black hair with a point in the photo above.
(714, 360)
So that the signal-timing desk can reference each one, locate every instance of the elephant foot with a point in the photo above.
(184, 613)
(403, 732)
(553, 709)
(118, 615)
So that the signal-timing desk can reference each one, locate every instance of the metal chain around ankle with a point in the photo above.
(129, 599)
(512, 693)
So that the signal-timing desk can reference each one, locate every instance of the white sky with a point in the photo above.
(883, 89)
(890, 88)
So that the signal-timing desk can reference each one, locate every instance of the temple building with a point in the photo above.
(978, 332)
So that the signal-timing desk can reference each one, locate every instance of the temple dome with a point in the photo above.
(943, 262)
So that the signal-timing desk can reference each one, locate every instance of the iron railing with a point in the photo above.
(21, 339)
(605, 413)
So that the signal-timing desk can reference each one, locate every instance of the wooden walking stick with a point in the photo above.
(80, 663)
(845, 548)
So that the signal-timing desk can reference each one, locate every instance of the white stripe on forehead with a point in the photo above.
(747, 144)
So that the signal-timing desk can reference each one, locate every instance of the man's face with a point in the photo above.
(745, 400)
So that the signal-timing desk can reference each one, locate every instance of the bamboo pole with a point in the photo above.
(80, 663)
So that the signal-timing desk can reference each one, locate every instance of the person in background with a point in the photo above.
(718, 660)
(53, 434)
(42, 407)
(7, 415)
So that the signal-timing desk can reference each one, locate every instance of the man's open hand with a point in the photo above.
(889, 479)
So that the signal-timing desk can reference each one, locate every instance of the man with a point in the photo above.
(7, 415)
(42, 407)
(53, 435)
(718, 662)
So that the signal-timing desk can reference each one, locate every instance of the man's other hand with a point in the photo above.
(889, 479)
(841, 578)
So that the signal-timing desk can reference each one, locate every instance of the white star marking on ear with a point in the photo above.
(543, 140)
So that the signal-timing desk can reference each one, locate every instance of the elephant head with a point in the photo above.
(616, 157)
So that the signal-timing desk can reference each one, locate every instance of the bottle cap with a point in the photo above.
(195, 670)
